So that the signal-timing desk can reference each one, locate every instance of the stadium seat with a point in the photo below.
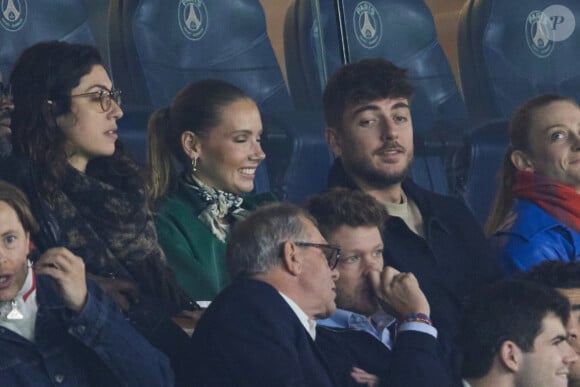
(476, 166)
(24, 23)
(511, 51)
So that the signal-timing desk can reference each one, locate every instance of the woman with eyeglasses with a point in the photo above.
(213, 130)
(86, 192)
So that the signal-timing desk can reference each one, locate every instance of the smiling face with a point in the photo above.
(361, 253)
(547, 365)
(230, 153)
(554, 138)
(375, 142)
(14, 250)
(90, 132)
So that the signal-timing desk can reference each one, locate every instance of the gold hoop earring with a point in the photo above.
(194, 164)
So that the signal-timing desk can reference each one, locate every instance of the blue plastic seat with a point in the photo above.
(477, 164)
(24, 23)
(511, 51)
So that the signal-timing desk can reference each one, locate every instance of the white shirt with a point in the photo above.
(309, 325)
(26, 306)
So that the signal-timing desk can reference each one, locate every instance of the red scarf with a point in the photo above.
(559, 200)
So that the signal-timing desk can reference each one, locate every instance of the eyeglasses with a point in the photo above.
(105, 97)
(332, 252)
(6, 90)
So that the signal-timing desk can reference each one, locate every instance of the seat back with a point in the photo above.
(477, 164)
(160, 46)
(511, 51)
(401, 31)
(24, 23)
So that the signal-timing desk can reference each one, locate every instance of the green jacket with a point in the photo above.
(196, 256)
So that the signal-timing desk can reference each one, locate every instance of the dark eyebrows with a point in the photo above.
(372, 107)
(363, 108)
(98, 86)
(560, 338)
(400, 105)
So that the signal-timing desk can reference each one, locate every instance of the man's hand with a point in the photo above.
(398, 293)
(362, 377)
(68, 271)
(124, 293)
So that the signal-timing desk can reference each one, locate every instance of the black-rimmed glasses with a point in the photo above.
(331, 252)
(105, 97)
(6, 90)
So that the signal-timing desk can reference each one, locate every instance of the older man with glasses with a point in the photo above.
(6, 108)
(261, 330)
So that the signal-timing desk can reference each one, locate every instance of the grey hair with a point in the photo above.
(255, 245)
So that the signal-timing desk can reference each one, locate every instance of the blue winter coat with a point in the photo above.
(534, 237)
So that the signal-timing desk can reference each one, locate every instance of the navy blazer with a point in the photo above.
(249, 336)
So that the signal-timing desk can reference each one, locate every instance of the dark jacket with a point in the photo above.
(196, 256)
(453, 260)
(249, 336)
(534, 237)
(150, 315)
(96, 347)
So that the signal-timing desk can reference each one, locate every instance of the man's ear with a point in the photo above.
(334, 140)
(191, 144)
(522, 161)
(291, 259)
(510, 355)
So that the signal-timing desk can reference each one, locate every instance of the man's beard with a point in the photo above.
(362, 169)
(349, 300)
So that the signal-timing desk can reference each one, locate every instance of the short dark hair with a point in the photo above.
(366, 80)
(556, 274)
(507, 310)
(344, 206)
(255, 243)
